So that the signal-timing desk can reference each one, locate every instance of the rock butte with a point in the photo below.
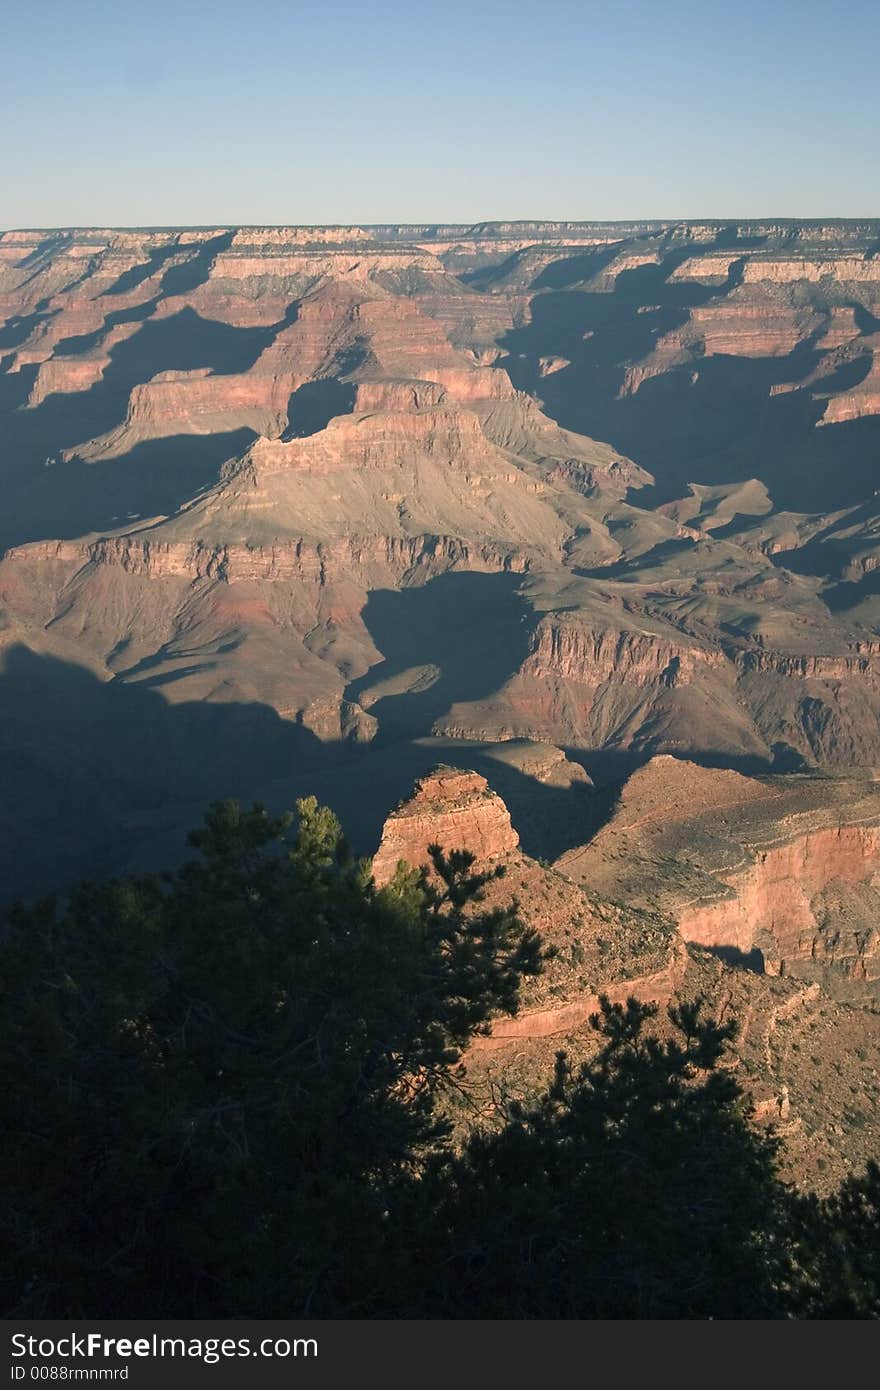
(450, 808)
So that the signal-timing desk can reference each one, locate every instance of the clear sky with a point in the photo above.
(274, 111)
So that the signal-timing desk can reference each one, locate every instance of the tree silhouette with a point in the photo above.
(837, 1250)
(213, 1078)
(635, 1187)
(224, 1097)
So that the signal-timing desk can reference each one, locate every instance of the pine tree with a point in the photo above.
(634, 1188)
(215, 1077)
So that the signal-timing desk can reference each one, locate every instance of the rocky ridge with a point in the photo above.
(808, 1048)
(286, 467)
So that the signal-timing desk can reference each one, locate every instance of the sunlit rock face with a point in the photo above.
(605, 487)
(782, 871)
(449, 808)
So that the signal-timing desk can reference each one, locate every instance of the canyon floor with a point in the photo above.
(588, 511)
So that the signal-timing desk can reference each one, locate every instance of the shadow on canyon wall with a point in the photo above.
(312, 406)
(455, 640)
(752, 961)
(709, 421)
(73, 498)
(849, 593)
(107, 776)
(103, 777)
(46, 496)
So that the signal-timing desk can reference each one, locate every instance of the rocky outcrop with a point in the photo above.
(591, 657)
(300, 561)
(531, 1025)
(792, 1036)
(848, 270)
(858, 401)
(779, 904)
(864, 660)
(384, 440)
(400, 397)
(197, 402)
(454, 809)
(786, 866)
(458, 810)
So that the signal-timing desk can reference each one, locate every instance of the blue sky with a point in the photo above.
(267, 112)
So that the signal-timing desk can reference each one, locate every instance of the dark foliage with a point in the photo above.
(635, 1188)
(838, 1250)
(223, 1098)
(213, 1079)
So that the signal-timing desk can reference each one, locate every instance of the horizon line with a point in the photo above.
(426, 223)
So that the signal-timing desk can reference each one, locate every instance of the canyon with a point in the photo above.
(584, 513)
(223, 441)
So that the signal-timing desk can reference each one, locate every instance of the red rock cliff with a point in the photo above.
(456, 810)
